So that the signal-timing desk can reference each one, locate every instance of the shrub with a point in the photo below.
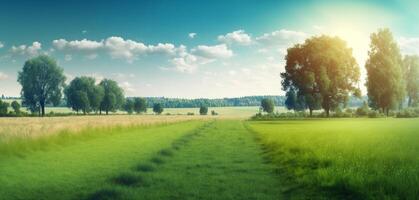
(190, 113)
(213, 112)
(375, 114)
(407, 113)
(203, 110)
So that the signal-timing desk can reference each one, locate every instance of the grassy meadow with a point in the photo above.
(344, 158)
(208, 157)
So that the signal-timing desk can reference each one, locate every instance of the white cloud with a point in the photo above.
(127, 87)
(84, 31)
(3, 76)
(1, 45)
(213, 52)
(282, 37)
(236, 37)
(191, 35)
(83, 44)
(409, 45)
(32, 50)
(92, 56)
(125, 49)
(68, 57)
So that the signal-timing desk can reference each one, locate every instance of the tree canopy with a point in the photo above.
(157, 108)
(411, 76)
(140, 105)
(320, 73)
(385, 83)
(267, 105)
(42, 82)
(113, 98)
(82, 94)
(203, 110)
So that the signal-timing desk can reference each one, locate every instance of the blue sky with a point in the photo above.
(188, 48)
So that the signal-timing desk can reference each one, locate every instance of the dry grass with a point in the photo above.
(33, 127)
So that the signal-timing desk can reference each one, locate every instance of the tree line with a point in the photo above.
(321, 73)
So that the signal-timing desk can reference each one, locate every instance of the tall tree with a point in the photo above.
(322, 72)
(140, 105)
(267, 105)
(42, 81)
(3, 108)
(385, 84)
(96, 97)
(113, 97)
(411, 76)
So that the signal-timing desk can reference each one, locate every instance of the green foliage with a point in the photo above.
(408, 113)
(42, 81)
(385, 85)
(140, 105)
(213, 112)
(320, 72)
(16, 107)
(157, 108)
(113, 98)
(411, 76)
(203, 110)
(82, 94)
(267, 105)
(129, 106)
(3, 108)
(363, 110)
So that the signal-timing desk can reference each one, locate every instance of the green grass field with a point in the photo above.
(344, 158)
(218, 158)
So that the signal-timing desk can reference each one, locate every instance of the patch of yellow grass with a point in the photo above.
(32, 127)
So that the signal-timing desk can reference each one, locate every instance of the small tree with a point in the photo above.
(140, 105)
(203, 110)
(16, 107)
(267, 105)
(113, 97)
(363, 110)
(129, 106)
(157, 108)
(3, 108)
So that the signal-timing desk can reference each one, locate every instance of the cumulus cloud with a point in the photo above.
(191, 35)
(213, 52)
(3, 76)
(236, 37)
(127, 87)
(32, 50)
(409, 45)
(1, 45)
(83, 44)
(282, 37)
(116, 47)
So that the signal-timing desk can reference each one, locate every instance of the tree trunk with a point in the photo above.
(42, 108)
(327, 112)
(106, 112)
(409, 103)
(311, 112)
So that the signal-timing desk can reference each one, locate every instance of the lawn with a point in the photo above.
(344, 158)
(78, 167)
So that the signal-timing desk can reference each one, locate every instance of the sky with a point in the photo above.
(185, 48)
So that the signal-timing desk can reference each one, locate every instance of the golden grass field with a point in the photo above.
(32, 127)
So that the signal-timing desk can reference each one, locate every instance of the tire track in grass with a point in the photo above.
(218, 161)
(132, 179)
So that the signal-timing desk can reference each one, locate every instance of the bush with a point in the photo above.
(408, 113)
(203, 110)
(190, 113)
(363, 110)
(375, 114)
(213, 112)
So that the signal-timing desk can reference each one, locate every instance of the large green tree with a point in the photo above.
(385, 85)
(80, 93)
(129, 106)
(42, 82)
(140, 105)
(411, 76)
(320, 73)
(113, 98)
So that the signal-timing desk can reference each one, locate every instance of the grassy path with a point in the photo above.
(220, 161)
(77, 168)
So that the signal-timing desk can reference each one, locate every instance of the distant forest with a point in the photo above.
(220, 102)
